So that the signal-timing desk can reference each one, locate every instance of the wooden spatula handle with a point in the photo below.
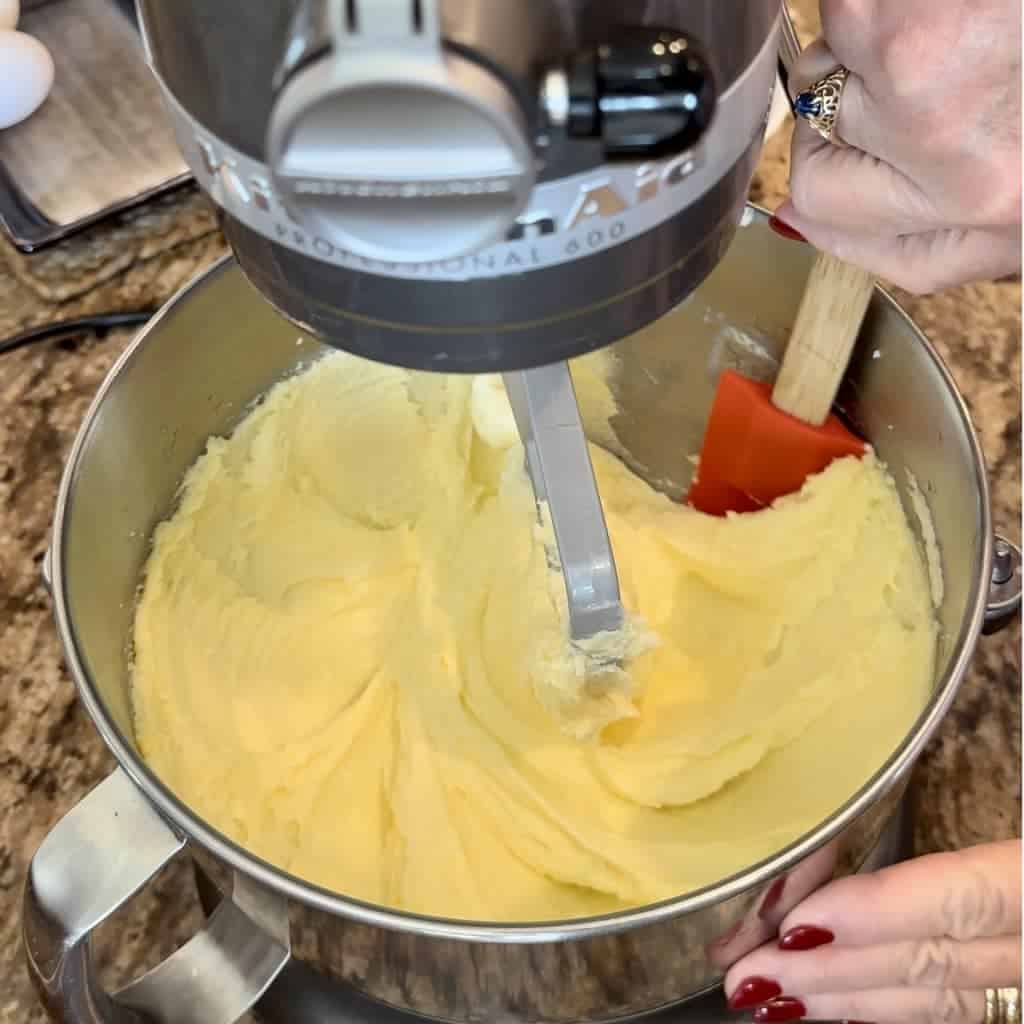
(827, 324)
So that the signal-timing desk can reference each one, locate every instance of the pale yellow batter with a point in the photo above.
(349, 657)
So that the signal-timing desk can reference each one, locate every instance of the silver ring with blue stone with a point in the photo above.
(818, 105)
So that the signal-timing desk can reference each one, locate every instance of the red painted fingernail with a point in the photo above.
(805, 936)
(780, 1010)
(780, 227)
(753, 992)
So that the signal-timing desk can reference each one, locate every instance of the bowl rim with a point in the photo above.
(188, 824)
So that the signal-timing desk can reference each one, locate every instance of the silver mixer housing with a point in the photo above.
(470, 185)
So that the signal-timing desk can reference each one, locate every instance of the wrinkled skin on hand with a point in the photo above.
(926, 192)
(917, 943)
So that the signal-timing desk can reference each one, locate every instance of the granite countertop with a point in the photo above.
(966, 788)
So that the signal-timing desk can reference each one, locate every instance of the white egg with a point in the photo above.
(9, 11)
(27, 76)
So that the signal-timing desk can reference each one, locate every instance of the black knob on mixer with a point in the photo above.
(651, 92)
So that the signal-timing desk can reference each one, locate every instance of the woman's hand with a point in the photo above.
(917, 943)
(928, 192)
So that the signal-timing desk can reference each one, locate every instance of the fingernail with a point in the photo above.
(780, 1010)
(805, 936)
(753, 992)
(780, 227)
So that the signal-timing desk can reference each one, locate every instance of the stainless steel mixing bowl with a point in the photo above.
(192, 373)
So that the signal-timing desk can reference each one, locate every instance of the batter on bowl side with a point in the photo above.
(350, 657)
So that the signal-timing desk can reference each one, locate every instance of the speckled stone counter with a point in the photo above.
(967, 786)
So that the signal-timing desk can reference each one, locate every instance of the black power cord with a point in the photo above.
(100, 322)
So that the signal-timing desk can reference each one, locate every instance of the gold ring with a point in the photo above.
(818, 104)
(1002, 1006)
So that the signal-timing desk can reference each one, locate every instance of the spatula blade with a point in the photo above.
(753, 453)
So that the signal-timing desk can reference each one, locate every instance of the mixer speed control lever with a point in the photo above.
(649, 93)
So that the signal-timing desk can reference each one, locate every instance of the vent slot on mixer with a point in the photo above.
(417, 19)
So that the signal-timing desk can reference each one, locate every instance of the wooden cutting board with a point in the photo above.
(101, 142)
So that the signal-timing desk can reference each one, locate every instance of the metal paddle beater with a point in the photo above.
(547, 415)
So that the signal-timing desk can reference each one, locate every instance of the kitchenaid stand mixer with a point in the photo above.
(479, 187)
(474, 186)
(613, 213)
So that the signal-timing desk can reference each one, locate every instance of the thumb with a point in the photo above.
(922, 262)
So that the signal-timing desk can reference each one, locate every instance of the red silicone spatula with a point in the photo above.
(763, 442)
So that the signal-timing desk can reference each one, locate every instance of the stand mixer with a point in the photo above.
(483, 187)
(471, 186)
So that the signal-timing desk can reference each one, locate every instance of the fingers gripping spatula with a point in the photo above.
(763, 441)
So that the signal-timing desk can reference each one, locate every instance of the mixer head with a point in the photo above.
(470, 185)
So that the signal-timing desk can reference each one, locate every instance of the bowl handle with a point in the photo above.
(92, 862)
(1004, 590)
